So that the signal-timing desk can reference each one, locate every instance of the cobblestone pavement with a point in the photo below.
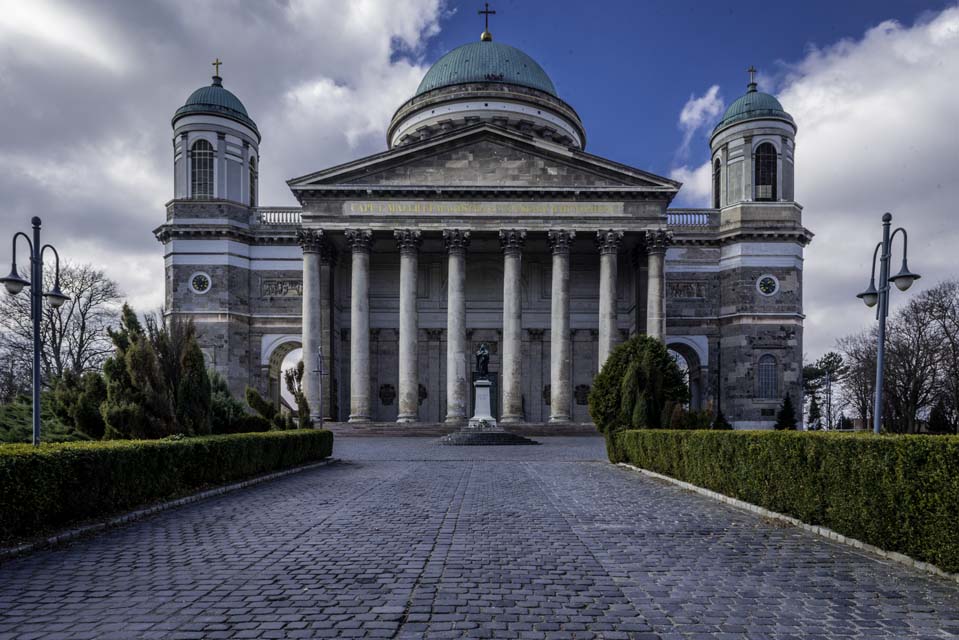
(406, 539)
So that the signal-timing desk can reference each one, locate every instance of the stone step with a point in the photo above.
(436, 429)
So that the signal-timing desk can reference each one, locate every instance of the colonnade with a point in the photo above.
(512, 242)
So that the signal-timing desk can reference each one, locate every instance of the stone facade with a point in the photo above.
(539, 237)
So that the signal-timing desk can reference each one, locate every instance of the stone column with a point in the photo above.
(361, 241)
(656, 244)
(512, 241)
(608, 244)
(560, 351)
(408, 241)
(327, 264)
(312, 243)
(457, 368)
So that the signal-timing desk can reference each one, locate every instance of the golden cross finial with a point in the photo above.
(216, 65)
(486, 35)
(752, 74)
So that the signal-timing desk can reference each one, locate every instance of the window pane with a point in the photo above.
(765, 182)
(768, 375)
(201, 169)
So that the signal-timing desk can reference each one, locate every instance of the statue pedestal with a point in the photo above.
(482, 419)
(482, 428)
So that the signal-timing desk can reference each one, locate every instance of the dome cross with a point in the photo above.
(216, 66)
(486, 36)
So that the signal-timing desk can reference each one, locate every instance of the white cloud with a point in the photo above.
(877, 133)
(94, 89)
(697, 186)
(699, 112)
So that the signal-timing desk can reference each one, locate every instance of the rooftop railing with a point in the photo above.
(692, 217)
(278, 217)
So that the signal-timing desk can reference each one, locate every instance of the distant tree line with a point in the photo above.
(921, 381)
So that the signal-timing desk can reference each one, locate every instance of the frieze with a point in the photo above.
(685, 289)
(281, 288)
(488, 208)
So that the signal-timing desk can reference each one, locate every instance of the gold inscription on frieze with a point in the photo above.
(488, 208)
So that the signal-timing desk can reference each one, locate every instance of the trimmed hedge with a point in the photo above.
(55, 485)
(899, 493)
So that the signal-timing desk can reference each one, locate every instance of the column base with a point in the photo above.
(404, 419)
(559, 419)
(511, 419)
(359, 419)
(456, 420)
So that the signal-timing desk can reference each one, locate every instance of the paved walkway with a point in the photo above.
(407, 539)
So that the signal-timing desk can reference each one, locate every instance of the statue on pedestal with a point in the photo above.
(482, 361)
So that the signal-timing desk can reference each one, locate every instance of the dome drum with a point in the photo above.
(486, 82)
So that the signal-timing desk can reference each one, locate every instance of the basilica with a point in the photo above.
(485, 220)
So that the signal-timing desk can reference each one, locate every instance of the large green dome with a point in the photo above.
(754, 104)
(486, 61)
(215, 100)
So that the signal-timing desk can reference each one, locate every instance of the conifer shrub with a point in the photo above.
(786, 416)
(55, 485)
(898, 493)
(637, 384)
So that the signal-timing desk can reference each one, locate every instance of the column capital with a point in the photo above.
(608, 241)
(311, 240)
(560, 240)
(658, 240)
(359, 239)
(512, 240)
(457, 240)
(408, 240)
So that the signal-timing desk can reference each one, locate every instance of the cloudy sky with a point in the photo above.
(87, 90)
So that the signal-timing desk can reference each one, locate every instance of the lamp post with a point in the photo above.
(15, 284)
(871, 296)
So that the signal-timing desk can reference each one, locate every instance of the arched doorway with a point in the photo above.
(689, 360)
(282, 355)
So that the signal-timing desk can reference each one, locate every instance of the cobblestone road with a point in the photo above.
(406, 539)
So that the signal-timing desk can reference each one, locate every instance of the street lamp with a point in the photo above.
(14, 284)
(872, 296)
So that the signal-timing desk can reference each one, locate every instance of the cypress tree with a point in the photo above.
(786, 417)
(193, 398)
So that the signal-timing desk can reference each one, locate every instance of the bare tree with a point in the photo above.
(74, 335)
(912, 365)
(943, 301)
(859, 352)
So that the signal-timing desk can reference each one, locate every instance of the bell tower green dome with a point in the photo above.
(217, 101)
(486, 61)
(754, 104)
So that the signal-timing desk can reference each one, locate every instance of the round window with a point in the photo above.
(200, 283)
(767, 285)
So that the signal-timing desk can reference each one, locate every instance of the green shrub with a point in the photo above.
(635, 387)
(898, 493)
(268, 411)
(16, 421)
(56, 485)
(786, 416)
(193, 392)
(225, 410)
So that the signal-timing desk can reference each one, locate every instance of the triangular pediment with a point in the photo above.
(484, 156)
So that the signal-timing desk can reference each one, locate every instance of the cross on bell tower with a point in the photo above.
(486, 36)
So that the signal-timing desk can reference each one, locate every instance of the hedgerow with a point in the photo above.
(898, 493)
(54, 485)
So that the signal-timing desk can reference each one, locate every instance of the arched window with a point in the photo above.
(201, 169)
(765, 162)
(717, 170)
(768, 374)
(252, 181)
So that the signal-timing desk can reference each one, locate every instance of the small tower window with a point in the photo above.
(201, 169)
(252, 181)
(717, 169)
(765, 161)
(768, 374)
